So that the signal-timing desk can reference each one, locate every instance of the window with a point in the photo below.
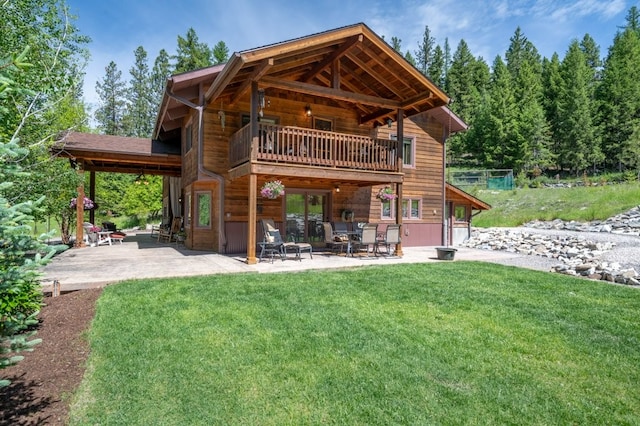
(411, 208)
(460, 213)
(408, 150)
(388, 209)
(322, 124)
(203, 210)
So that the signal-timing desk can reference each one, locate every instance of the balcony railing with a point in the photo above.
(295, 145)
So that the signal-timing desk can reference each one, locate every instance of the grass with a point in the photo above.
(445, 343)
(583, 204)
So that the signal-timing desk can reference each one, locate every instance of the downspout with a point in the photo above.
(222, 238)
(445, 220)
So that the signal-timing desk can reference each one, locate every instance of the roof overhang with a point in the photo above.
(453, 191)
(117, 154)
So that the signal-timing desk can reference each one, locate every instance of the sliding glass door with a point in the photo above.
(305, 212)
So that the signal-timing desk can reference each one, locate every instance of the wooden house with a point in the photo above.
(335, 117)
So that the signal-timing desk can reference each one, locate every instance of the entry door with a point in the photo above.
(305, 212)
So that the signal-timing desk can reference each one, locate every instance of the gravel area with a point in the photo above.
(626, 251)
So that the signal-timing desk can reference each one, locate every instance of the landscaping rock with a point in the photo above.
(575, 255)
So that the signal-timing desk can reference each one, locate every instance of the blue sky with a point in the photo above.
(118, 27)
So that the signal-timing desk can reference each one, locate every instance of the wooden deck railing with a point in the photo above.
(295, 145)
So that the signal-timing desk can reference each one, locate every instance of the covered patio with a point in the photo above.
(141, 257)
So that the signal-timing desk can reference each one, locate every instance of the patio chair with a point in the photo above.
(333, 240)
(273, 242)
(368, 238)
(390, 239)
(168, 235)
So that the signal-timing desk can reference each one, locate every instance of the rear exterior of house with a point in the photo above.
(334, 116)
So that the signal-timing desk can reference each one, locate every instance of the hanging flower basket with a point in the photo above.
(272, 189)
(386, 194)
(88, 204)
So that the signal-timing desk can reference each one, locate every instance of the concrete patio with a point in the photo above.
(140, 256)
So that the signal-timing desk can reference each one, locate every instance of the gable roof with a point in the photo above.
(349, 67)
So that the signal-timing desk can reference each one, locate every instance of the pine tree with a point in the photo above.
(396, 44)
(436, 70)
(531, 146)
(140, 113)
(220, 53)
(424, 53)
(191, 54)
(552, 85)
(113, 94)
(409, 57)
(501, 123)
(467, 79)
(619, 97)
(159, 75)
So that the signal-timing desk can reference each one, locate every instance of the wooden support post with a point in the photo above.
(251, 225)
(92, 195)
(400, 138)
(80, 212)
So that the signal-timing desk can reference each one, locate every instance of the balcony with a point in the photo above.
(295, 146)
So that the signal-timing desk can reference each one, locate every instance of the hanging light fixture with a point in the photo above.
(307, 110)
(389, 122)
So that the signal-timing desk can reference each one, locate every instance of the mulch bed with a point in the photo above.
(43, 383)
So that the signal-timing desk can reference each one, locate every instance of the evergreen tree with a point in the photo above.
(424, 52)
(499, 122)
(140, 114)
(467, 80)
(409, 57)
(591, 52)
(191, 54)
(619, 97)
(531, 147)
(159, 75)
(436, 70)
(220, 53)
(396, 44)
(552, 85)
(447, 60)
(633, 19)
(113, 93)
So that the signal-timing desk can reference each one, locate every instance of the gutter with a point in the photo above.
(222, 238)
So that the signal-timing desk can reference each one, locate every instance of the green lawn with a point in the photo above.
(583, 204)
(439, 343)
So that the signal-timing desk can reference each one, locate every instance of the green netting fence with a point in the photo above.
(498, 179)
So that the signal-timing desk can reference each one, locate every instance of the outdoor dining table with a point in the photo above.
(352, 237)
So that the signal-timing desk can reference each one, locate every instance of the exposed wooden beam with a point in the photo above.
(346, 46)
(260, 70)
(327, 92)
(379, 78)
(418, 99)
(228, 73)
(335, 75)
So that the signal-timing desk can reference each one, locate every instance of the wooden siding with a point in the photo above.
(425, 180)
(190, 158)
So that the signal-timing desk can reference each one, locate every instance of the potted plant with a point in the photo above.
(181, 236)
(88, 204)
(386, 194)
(272, 189)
